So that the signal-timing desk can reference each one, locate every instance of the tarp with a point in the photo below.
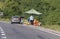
(32, 11)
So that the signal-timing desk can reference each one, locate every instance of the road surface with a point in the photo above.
(15, 31)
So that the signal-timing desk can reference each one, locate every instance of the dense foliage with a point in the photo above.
(50, 9)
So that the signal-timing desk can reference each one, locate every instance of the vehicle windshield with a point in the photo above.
(15, 17)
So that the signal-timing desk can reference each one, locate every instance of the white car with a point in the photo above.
(15, 19)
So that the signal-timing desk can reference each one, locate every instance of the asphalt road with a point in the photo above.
(15, 31)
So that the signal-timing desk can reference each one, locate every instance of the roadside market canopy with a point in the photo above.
(32, 11)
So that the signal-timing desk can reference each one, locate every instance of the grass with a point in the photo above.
(53, 27)
(4, 19)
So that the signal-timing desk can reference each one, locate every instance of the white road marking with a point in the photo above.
(53, 33)
(35, 28)
(45, 30)
(4, 37)
(48, 31)
(1, 29)
(2, 33)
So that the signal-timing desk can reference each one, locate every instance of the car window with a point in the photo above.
(15, 17)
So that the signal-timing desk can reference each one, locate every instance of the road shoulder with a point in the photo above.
(44, 29)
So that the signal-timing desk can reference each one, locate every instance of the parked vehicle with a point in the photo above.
(15, 19)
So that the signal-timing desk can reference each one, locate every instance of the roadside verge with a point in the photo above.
(44, 29)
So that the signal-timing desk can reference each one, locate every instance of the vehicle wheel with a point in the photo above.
(19, 22)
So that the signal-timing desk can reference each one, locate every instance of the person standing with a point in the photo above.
(31, 20)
